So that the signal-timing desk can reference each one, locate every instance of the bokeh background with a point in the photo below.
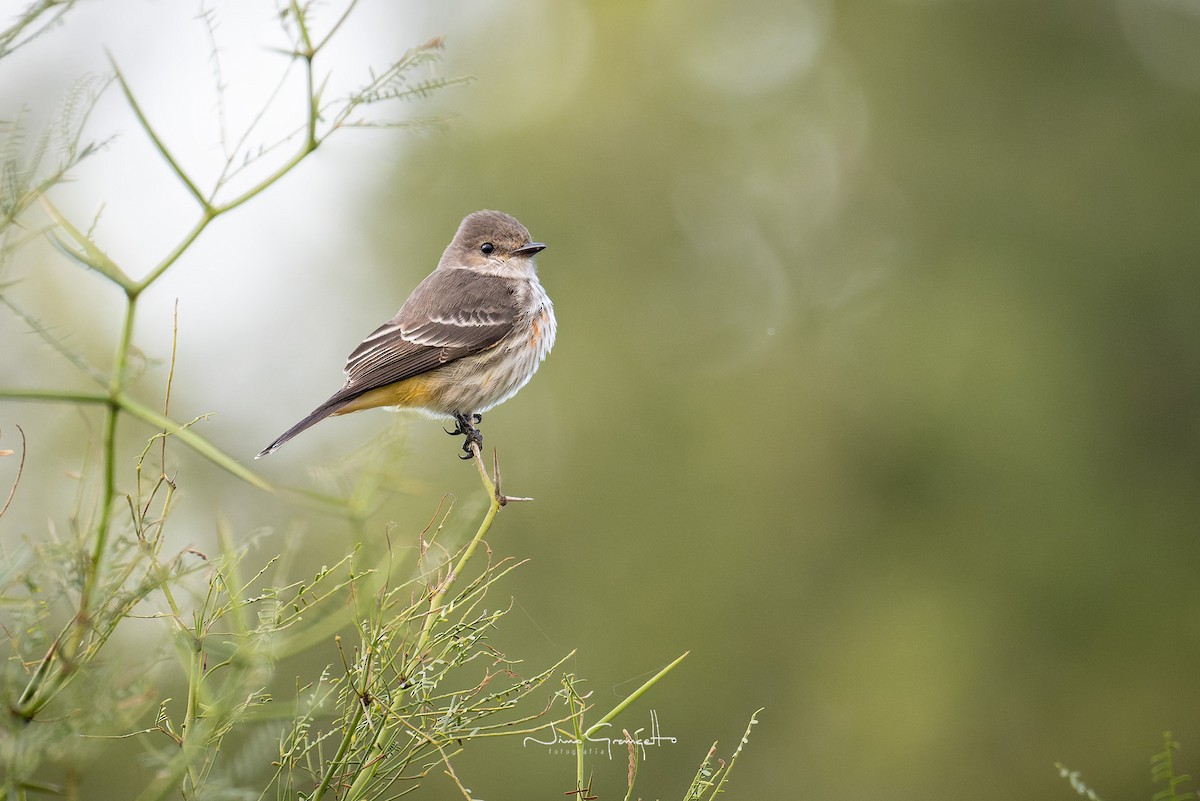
(878, 376)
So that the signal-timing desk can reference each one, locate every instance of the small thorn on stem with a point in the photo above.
(490, 482)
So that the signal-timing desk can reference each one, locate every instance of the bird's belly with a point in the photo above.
(488, 379)
(418, 392)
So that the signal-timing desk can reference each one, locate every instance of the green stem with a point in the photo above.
(109, 489)
(42, 684)
(577, 723)
(635, 695)
(287, 167)
(181, 432)
(351, 729)
(91, 256)
(177, 251)
(158, 143)
(314, 103)
(192, 714)
(335, 27)
(54, 395)
(435, 603)
(302, 26)
(103, 525)
(193, 440)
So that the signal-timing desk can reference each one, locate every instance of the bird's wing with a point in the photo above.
(451, 314)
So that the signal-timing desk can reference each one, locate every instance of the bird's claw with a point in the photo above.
(465, 425)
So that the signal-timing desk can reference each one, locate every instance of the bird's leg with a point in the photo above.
(466, 426)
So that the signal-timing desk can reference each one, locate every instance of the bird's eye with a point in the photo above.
(487, 247)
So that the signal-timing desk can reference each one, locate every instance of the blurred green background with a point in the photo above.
(877, 384)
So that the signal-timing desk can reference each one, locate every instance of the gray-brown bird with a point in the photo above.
(468, 337)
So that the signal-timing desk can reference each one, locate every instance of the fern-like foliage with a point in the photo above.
(29, 166)
(1162, 771)
(402, 80)
(37, 18)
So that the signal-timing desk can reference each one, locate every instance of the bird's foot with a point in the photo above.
(465, 425)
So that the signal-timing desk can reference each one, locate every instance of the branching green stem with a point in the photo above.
(387, 731)
(169, 260)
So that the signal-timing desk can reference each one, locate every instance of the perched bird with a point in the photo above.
(468, 337)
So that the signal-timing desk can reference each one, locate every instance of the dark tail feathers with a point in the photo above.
(318, 414)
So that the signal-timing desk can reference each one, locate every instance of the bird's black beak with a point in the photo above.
(529, 248)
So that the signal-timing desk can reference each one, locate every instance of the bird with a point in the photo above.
(470, 335)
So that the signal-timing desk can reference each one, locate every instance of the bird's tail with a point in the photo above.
(318, 414)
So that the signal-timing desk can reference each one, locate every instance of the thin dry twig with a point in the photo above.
(12, 492)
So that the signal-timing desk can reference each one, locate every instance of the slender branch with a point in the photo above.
(103, 525)
(335, 27)
(307, 52)
(158, 143)
(302, 27)
(12, 493)
(349, 733)
(170, 382)
(230, 170)
(574, 698)
(193, 440)
(192, 739)
(720, 786)
(43, 683)
(116, 379)
(10, 37)
(306, 148)
(92, 256)
(635, 695)
(314, 103)
(177, 251)
(178, 430)
(53, 395)
(109, 487)
(435, 603)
